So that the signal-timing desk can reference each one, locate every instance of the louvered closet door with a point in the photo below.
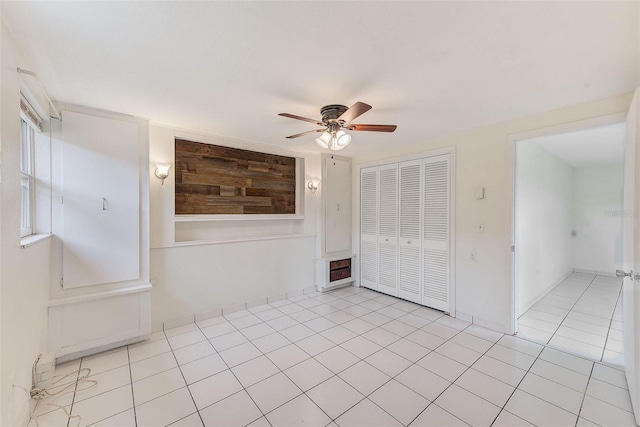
(369, 227)
(388, 229)
(435, 244)
(410, 278)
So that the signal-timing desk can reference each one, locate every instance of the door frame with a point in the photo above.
(356, 171)
(512, 141)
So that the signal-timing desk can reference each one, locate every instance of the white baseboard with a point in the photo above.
(494, 326)
(178, 322)
(488, 324)
(79, 354)
(594, 272)
(464, 316)
(233, 308)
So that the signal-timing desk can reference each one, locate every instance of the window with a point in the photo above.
(27, 178)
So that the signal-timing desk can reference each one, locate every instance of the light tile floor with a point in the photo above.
(582, 315)
(351, 357)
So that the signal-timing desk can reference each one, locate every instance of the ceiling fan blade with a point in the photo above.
(356, 110)
(305, 133)
(373, 128)
(292, 116)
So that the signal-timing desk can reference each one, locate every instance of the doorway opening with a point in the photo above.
(568, 205)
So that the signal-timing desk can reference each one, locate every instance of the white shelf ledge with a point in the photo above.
(247, 217)
(100, 295)
(235, 240)
(27, 241)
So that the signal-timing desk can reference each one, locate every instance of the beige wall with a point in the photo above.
(24, 276)
(484, 158)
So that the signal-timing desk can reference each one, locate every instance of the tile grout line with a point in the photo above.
(133, 396)
(566, 316)
(232, 373)
(606, 341)
(336, 345)
(550, 293)
(584, 395)
(517, 387)
(569, 351)
(391, 378)
(183, 378)
(73, 400)
(334, 374)
(572, 307)
(432, 402)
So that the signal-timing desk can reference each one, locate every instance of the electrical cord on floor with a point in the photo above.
(82, 377)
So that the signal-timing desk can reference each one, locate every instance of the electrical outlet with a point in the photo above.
(473, 256)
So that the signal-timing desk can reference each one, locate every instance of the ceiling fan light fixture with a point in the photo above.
(324, 140)
(342, 139)
(336, 117)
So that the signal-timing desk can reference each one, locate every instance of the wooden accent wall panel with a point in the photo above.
(211, 179)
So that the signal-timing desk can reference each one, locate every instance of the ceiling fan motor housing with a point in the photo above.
(330, 113)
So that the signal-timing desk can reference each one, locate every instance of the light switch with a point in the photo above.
(479, 193)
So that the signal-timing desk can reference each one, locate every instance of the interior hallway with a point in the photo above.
(583, 315)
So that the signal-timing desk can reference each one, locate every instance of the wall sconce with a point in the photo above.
(313, 185)
(162, 171)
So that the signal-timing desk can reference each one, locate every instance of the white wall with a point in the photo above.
(544, 206)
(484, 158)
(230, 261)
(24, 276)
(597, 220)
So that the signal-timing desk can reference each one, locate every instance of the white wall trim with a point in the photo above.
(512, 140)
(238, 240)
(258, 217)
(408, 157)
(33, 239)
(100, 349)
(100, 295)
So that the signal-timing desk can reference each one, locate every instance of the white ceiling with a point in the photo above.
(228, 68)
(599, 146)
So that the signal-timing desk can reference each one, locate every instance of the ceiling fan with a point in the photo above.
(336, 118)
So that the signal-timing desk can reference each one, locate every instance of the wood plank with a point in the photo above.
(212, 179)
